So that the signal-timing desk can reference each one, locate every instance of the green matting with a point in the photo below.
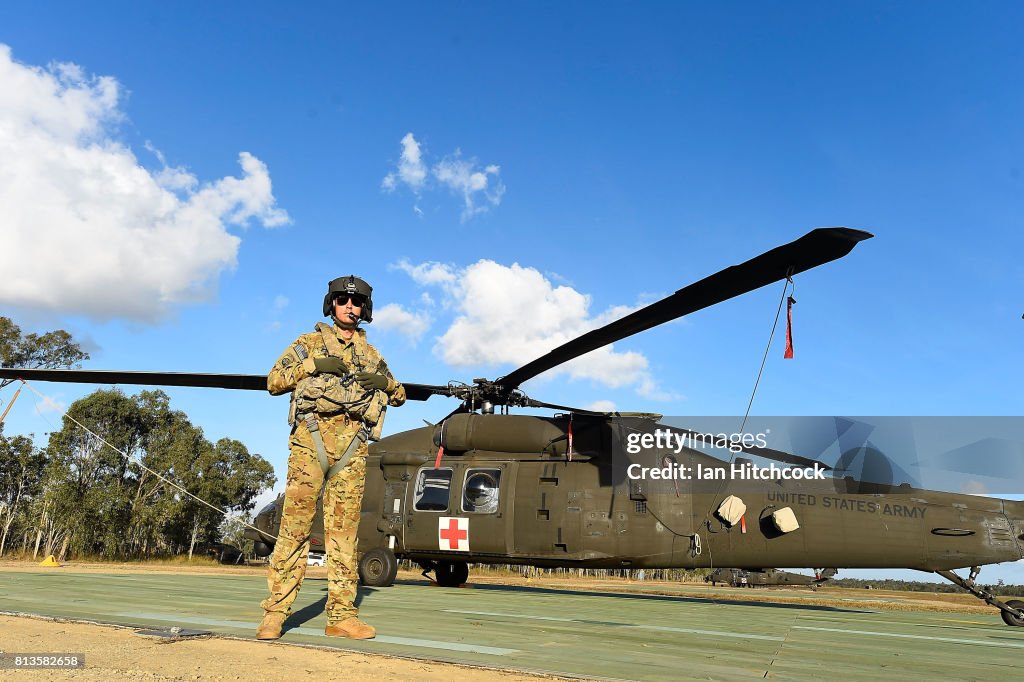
(609, 635)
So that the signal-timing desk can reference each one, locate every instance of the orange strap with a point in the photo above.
(11, 404)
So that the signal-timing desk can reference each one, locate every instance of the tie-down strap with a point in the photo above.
(314, 430)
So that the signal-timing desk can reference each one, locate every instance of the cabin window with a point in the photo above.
(432, 486)
(480, 494)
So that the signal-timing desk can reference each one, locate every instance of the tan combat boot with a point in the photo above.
(353, 628)
(270, 626)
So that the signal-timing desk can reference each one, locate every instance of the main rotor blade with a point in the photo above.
(767, 453)
(245, 382)
(248, 382)
(815, 248)
(424, 391)
(564, 408)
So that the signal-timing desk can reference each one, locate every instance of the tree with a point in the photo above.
(232, 531)
(21, 473)
(51, 350)
(90, 482)
(224, 475)
(245, 475)
(96, 501)
(21, 464)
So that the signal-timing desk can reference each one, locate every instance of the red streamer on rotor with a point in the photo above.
(790, 301)
(570, 438)
(440, 449)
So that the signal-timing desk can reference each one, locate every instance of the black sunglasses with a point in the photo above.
(357, 300)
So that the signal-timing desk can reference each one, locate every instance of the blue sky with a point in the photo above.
(506, 176)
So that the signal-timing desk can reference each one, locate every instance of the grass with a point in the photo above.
(179, 560)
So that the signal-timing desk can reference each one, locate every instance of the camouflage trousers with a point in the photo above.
(343, 496)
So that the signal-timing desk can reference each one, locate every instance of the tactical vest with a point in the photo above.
(328, 395)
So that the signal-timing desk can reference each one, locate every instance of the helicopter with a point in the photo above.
(485, 486)
(769, 577)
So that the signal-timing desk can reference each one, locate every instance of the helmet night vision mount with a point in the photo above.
(353, 286)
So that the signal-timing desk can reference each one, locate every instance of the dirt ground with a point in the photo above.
(114, 652)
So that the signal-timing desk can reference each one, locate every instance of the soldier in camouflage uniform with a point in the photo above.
(340, 388)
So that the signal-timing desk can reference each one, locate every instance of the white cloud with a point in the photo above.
(973, 487)
(411, 171)
(276, 308)
(601, 406)
(393, 317)
(479, 188)
(46, 405)
(87, 229)
(461, 177)
(426, 274)
(649, 388)
(510, 315)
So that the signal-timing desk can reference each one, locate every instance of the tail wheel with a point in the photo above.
(1009, 619)
(451, 573)
(378, 567)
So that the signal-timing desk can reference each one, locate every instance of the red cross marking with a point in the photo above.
(453, 534)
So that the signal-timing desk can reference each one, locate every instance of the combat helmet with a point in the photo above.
(352, 285)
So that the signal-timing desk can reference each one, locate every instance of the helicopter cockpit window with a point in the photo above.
(432, 486)
(480, 494)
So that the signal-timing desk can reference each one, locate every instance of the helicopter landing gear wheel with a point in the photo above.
(1010, 611)
(451, 573)
(378, 567)
(1016, 621)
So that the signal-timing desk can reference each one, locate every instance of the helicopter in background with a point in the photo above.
(769, 577)
(488, 487)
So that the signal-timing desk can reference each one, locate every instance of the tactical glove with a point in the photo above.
(372, 381)
(329, 365)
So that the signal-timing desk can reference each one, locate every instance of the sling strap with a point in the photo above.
(314, 430)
